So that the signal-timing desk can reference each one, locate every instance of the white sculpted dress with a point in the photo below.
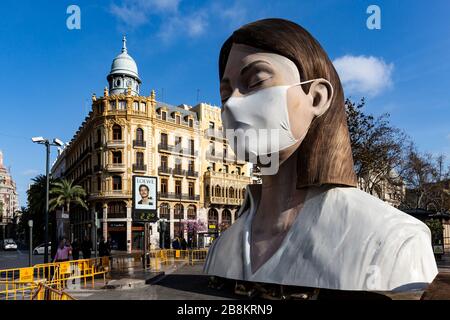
(343, 238)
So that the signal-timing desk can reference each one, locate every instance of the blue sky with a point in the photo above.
(48, 72)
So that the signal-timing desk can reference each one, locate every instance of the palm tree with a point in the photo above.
(64, 193)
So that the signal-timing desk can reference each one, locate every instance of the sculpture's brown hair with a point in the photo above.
(325, 155)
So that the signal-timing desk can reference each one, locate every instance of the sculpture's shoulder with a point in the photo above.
(364, 207)
(225, 254)
(380, 237)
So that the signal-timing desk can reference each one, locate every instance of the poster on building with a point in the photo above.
(144, 198)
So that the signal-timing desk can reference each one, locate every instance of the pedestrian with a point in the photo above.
(108, 247)
(86, 248)
(63, 252)
(183, 244)
(176, 243)
(76, 250)
(102, 248)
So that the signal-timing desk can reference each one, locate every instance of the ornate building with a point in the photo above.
(9, 201)
(128, 134)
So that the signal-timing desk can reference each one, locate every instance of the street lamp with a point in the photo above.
(57, 143)
(30, 256)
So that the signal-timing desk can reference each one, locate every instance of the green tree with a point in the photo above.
(64, 194)
(377, 147)
(436, 229)
(36, 207)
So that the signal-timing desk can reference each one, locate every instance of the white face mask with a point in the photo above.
(261, 120)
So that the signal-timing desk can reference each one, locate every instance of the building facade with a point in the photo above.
(9, 201)
(200, 184)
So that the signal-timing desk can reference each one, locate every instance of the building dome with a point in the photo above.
(124, 73)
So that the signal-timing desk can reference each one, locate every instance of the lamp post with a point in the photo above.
(30, 256)
(48, 144)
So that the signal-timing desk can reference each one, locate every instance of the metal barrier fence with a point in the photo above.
(23, 283)
(45, 292)
(156, 258)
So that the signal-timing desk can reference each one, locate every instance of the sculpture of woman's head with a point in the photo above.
(279, 54)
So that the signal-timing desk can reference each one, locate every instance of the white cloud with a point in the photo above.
(30, 172)
(364, 75)
(135, 13)
(191, 24)
(177, 21)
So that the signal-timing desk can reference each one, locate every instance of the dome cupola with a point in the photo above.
(124, 73)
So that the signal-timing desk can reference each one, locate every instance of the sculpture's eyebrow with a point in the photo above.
(244, 70)
(251, 64)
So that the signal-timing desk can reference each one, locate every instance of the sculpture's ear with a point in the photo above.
(321, 94)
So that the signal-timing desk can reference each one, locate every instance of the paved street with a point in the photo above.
(184, 283)
(17, 259)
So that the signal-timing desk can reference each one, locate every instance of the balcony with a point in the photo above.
(138, 167)
(190, 152)
(164, 147)
(225, 200)
(113, 194)
(192, 174)
(176, 149)
(117, 215)
(178, 172)
(115, 167)
(139, 144)
(230, 159)
(164, 170)
(213, 133)
(178, 196)
(230, 176)
(115, 144)
(213, 156)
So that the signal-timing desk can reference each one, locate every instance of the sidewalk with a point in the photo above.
(183, 282)
(444, 263)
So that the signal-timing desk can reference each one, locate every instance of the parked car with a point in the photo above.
(41, 248)
(9, 244)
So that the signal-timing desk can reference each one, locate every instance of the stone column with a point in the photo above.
(94, 227)
(219, 218)
(105, 221)
(171, 221)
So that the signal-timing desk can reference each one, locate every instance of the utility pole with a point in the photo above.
(30, 256)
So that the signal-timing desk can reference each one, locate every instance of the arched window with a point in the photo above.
(117, 132)
(231, 192)
(192, 212)
(99, 136)
(226, 217)
(117, 157)
(178, 211)
(117, 182)
(140, 158)
(243, 193)
(217, 192)
(117, 209)
(139, 135)
(164, 211)
(213, 217)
